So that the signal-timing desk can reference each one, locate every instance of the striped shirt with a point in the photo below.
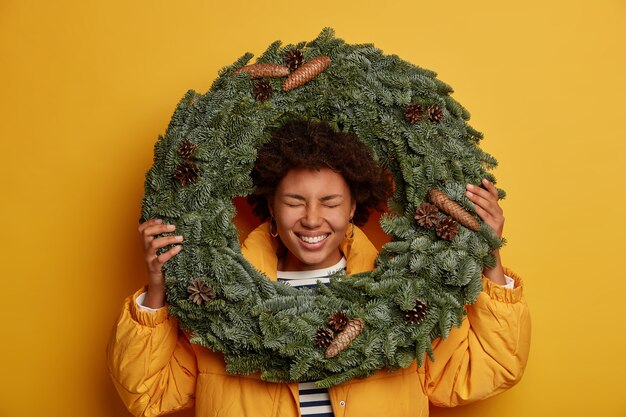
(314, 401)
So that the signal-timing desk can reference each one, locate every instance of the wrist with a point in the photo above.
(495, 274)
(155, 296)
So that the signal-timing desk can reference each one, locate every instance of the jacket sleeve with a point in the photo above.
(487, 354)
(151, 362)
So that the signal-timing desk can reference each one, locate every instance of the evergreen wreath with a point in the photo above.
(359, 324)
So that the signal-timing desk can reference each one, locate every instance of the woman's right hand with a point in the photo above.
(155, 296)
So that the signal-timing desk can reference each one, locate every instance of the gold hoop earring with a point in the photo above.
(273, 226)
(352, 232)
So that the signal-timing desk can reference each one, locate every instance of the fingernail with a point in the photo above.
(158, 221)
(171, 227)
(178, 238)
(469, 194)
(485, 181)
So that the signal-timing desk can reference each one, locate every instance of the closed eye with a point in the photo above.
(331, 201)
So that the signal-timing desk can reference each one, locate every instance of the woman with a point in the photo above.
(313, 185)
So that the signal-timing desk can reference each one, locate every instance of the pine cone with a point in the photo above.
(200, 292)
(447, 228)
(343, 339)
(186, 149)
(306, 72)
(338, 321)
(323, 337)
(187, 172)
(413, 113)
(417, 314)
(453, 209)
(263, 90)
(427, 215)
(293, 59)
(435, 114)
(264, 70)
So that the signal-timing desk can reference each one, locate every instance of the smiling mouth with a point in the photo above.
(313, 239)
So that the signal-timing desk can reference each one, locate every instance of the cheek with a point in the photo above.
(285, 219)
(340, 219)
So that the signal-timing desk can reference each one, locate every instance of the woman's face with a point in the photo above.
(313, 209)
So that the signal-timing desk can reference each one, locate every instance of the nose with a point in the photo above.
(312, 218)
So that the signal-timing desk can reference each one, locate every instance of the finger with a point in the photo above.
(164, 241)
(483, 214)
(485, 198)
(496, 223)
(482, 202)
(149, 234)
(498, 212)
(155, 262)
(490, 187)
(157, 229)
(166, 256)
(492, 210)
(486, 194)
(148, 223)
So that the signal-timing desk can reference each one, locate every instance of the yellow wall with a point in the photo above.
(86, 87)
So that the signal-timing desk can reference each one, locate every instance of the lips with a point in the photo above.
(313, 239)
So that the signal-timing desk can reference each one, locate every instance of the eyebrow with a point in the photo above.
(325, 198)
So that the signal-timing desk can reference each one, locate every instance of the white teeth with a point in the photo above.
(313, 239)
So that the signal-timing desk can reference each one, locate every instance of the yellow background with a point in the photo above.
(88, 85)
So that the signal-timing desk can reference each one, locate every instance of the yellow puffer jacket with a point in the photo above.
(156, 370)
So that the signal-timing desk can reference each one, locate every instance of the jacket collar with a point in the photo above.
(260, 250)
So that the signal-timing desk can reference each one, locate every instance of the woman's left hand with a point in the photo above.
(486, 203)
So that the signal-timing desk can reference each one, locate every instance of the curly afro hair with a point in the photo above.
(315, 145)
